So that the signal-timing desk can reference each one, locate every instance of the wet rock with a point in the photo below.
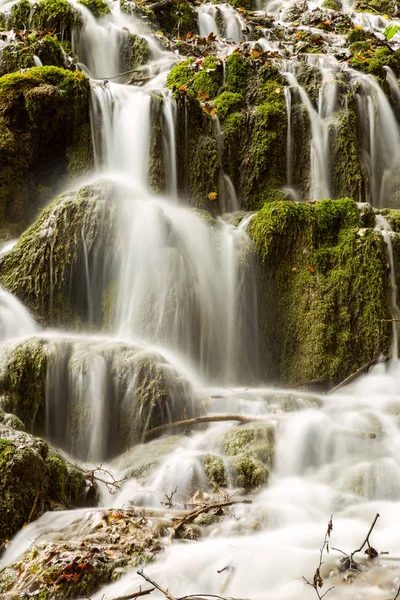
(34, 478)
(91, 552)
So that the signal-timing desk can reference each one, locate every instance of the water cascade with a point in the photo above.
(182, 335)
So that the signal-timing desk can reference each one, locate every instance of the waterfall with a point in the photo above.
(220, 19)
(383, 226)
(15, 320)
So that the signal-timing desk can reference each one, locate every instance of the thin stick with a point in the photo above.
(33, 508)
(162, 590)
(135, 595)
(203, 509)
(356, 374)
(196, 421)
(366, 541)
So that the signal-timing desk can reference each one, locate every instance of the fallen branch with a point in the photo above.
(114, 486)
(397, 594)
(195, 513)
(318, 582)
(158, 6)
(357, 373)
(196, 421)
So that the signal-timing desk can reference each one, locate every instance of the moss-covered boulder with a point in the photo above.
(323, 290)
(57, 16)
(34, 478)
(44, 134)
(111, 543)
(64, 388)
(215, 470)
(21, 53)
(46, 268)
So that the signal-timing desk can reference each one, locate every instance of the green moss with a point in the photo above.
(248, 473)
(215, 470)
(14, 422)
(135, 51)
(371, 59)
(178, 18)
(346, 178)
(254, 442)
(204, 173)
(237, 74)
(58, 474)
(19, 55)
(98, 7)
(246, 4)
(207, 82)
(53, 15)
(325, 290)
(384, 7)
(358, 34)
(227, 103)
(393, 217)
(332, 4)
(181, 75)
(25, 380)
(21, 15)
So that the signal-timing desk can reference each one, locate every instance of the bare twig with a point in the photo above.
(33, 507)
(113, 486)
(196, 421)
(135, 595)
(397, 594)
(170, 497)
(357, 373)
(348, 563)
(162, 590)
(318, 582)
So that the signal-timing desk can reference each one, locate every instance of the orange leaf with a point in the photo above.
(310, 268)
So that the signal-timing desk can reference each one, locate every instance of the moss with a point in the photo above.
(371, 59)
(179, 17)
(346, 174)
(98, 7)
(42, 112)
(21, 15)
(215, 470)
(207, 81)
(53, 15)
(246, 4)
(248, 473)
(19, 55)
(384, 7)
(135, 51)
(393, 217)
(358, 34)
(204, 173)
(332, 4)
(58, 474)
(237, 73)
(227, 103)
(254, 442)
(14, 422)
(324, 288)
(25, 380)
(180, 75)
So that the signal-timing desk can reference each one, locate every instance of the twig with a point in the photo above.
(162, 590)
(196, 421)
(33, 507)
(347, 562)
(397, 594)
(366, 541)
(113, 486)
(169, 498)
(135, 595)
(318, 582)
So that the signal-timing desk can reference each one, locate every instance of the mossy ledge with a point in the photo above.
(323, 290)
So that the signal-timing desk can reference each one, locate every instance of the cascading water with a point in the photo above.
(185, 286)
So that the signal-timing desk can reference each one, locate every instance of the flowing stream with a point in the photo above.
(186, 292)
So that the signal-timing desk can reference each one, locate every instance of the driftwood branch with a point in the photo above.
(348, 563)
(197, 421)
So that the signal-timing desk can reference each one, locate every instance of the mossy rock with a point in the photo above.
(254, 441)
(57, 238)
(135, 51)
(34, 478)
(140, 388)
(18, 56)
(215, 470)
(178, 17)
(44, 118)
(324, 290)
(141, 461)
(43, 568)
(383, 7)
(248, 472)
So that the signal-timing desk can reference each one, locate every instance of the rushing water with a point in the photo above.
(186, 294)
